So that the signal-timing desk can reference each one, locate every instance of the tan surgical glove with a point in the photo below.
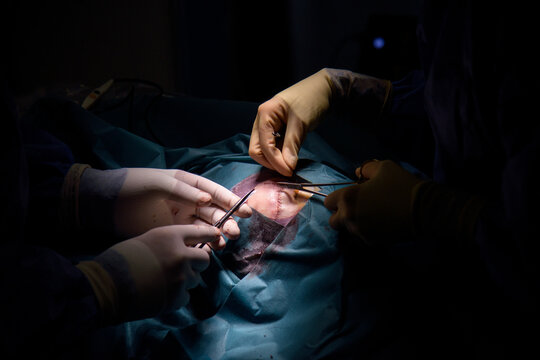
(393, 205)
(300, 107)
(377, 210)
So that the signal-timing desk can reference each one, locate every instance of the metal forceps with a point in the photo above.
(302, 186)
(229, 213)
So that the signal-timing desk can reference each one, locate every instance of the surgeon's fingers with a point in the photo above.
(345, 215)
(220, 195)
(273, 116)
(272, 153)
(217, 244)
(191, 235)
(196, 234)
(255, 150)
(294, 137)
(212, 214)
(227, 199)
(368, 169)
(337, 219)
(341, 203)
(333, 200)
(183, 192)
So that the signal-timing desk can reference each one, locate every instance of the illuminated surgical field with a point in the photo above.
(273, 221)
(276, 202)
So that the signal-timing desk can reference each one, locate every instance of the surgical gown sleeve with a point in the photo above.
(48, 161)
(47, 304)
(404, 127)
(394, 110)
(481, 99)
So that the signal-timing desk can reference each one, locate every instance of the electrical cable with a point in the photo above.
(130, 98)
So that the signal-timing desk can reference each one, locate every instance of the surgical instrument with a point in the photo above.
(229, 213)
(303, 186)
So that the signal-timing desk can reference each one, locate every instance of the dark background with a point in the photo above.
(234, 50)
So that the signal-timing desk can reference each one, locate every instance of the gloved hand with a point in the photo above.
(131, 201)
(378, 210)
(300, 107)
(149, 274)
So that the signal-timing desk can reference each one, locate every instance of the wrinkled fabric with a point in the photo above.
(480, 98)
(286, 306)
(314, 293)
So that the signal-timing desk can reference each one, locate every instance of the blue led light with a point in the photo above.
(378, 42)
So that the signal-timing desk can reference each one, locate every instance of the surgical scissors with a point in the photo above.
(229, 213)
(302, 186)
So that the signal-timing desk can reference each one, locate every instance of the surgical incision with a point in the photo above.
(273, 201)
(275, 208)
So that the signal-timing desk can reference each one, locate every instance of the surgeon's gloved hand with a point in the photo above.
(149, 274)
(298, 109)
(131, 201)
(378, 210)
(393, 205)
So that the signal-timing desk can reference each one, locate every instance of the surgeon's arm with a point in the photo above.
(48, 161)
(47, 304)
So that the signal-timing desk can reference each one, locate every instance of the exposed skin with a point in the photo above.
(277, 202)
(275, 206)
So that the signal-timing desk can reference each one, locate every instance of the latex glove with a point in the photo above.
(378, 210)
(149, 274)
(299, 108)
(139, 199)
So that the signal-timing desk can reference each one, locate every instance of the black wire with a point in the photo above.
(131, 97)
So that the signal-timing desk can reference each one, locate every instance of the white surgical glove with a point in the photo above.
(131, 201)
(149, 274)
